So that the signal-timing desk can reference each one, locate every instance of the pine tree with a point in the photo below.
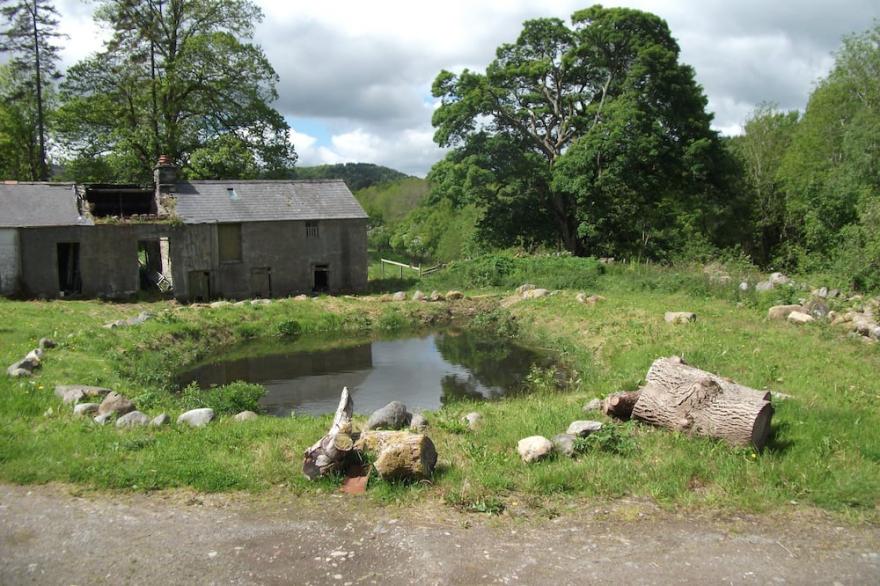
(30, 40)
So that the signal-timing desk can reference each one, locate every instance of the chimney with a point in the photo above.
(164, 174)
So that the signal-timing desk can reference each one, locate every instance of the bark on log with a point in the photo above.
(620, 405)
(399, 455)
(329, 452)
(684, 398)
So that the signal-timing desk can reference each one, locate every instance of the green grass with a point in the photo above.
(825, 449)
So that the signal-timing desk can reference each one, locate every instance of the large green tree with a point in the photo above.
(29, 38)
(591, 135)
(176, 77)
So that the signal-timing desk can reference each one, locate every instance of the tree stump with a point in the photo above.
(329, 452)
(399, 455)
(620, 405)
(687, 399)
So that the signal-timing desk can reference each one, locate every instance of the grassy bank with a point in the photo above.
(825, 449)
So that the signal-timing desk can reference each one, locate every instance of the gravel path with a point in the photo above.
(50, 536)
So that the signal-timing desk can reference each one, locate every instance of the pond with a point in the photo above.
(424, 371)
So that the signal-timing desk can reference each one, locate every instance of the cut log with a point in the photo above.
(329, 452)
(399, 455)
(620, 405)
(687, 399)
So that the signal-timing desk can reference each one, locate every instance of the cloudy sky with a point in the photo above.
(356, 76)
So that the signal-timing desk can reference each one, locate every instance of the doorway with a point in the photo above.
(322, 279)
(261, 282)
(69, 277)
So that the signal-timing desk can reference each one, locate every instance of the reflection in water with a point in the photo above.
(423, 372)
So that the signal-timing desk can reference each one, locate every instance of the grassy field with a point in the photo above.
(825, 449)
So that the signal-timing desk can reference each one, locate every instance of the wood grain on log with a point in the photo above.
(620, 405)
(687, 399)
(328, 453)
(399, 455)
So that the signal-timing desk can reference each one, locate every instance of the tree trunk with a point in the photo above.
(329, 452)
(620, 405)
(687, 399)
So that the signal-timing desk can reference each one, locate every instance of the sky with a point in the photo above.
(355, 75)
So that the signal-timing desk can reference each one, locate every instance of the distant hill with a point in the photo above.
(356, 175)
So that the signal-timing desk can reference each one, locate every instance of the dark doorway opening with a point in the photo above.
(322, 279)
(69, 278)
(149, 265)
(199, 285)
(261, 282)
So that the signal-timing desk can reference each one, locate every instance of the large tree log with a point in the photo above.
(687, 399)
(329, 452)
(399, 455)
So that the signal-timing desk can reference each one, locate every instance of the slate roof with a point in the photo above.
(200, 202)
(39, 204)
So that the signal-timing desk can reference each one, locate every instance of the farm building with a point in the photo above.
(197, 240)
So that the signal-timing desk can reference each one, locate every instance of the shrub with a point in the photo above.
(289, 327)
(225, 400)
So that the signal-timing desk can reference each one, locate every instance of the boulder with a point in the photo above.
(103, 418)
(392, 416)
(116, 404)
(782, 311)
(581, 298)
(139, 318)
(399, 296)
(301, 298)
(594, 405)
(454, 295)
(133, 419)
(261, 302)
(436, 296)
(535, 293)
(817, 308)
(679, 317)
(73, 393)
(583, 428)
(16, 371)
(563, 443)
(418, 296)
(196, 417)
(418, 423)
(834, 294)
(764, 286)
(473, 420)
(744, 286)
(46, 343)
(779, 279)
(822, 292)
(160, 420)
(245, 416)
(534, 448)
(35, 356)
(798, 317)
(219, 304)
(523, 288)
(83, 409)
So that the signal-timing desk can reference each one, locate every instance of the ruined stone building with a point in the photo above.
(197, 240)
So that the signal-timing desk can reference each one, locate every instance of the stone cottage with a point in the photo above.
(197, 240)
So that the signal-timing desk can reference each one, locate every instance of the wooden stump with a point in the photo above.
(620, 405)
(329, 452)
(399, 455)
(687, 399)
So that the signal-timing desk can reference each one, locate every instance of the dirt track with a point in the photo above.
(48, 536)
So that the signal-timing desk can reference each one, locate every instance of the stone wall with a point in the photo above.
(9, 270)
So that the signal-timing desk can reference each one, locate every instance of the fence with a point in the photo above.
(401, 266)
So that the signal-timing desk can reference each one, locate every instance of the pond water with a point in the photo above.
(423, 371)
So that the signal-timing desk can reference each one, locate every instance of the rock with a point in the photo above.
(834, 294)
(49, 412)
(219, 304)
(133, 419)
(473, 420)
(261, 302)
(594, 299)
(160, 420)
(583, 428)
(581, 298)
(744, 286)
(115, 403)
(523, 288)
(301, 298)
(35, 357)
(139, 318)
(418, 296)
(27, 364)
(535, 293)
(241, 303)
(534, 448)
(782, 311)
(563, 443)
(73, 393)
(245, 416)
(83, 409)
(418, 423)
(46, 343)
(720, 279)
(454, 295)
(818, 308)
(679, 317)
(797, 317)
(104, 418)
(196, 417)
(764, 286)
(392, 416)
(822, 292)
(436, 296)
(399, 296)
(779, 279)
(594, 405)
(17, 372)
